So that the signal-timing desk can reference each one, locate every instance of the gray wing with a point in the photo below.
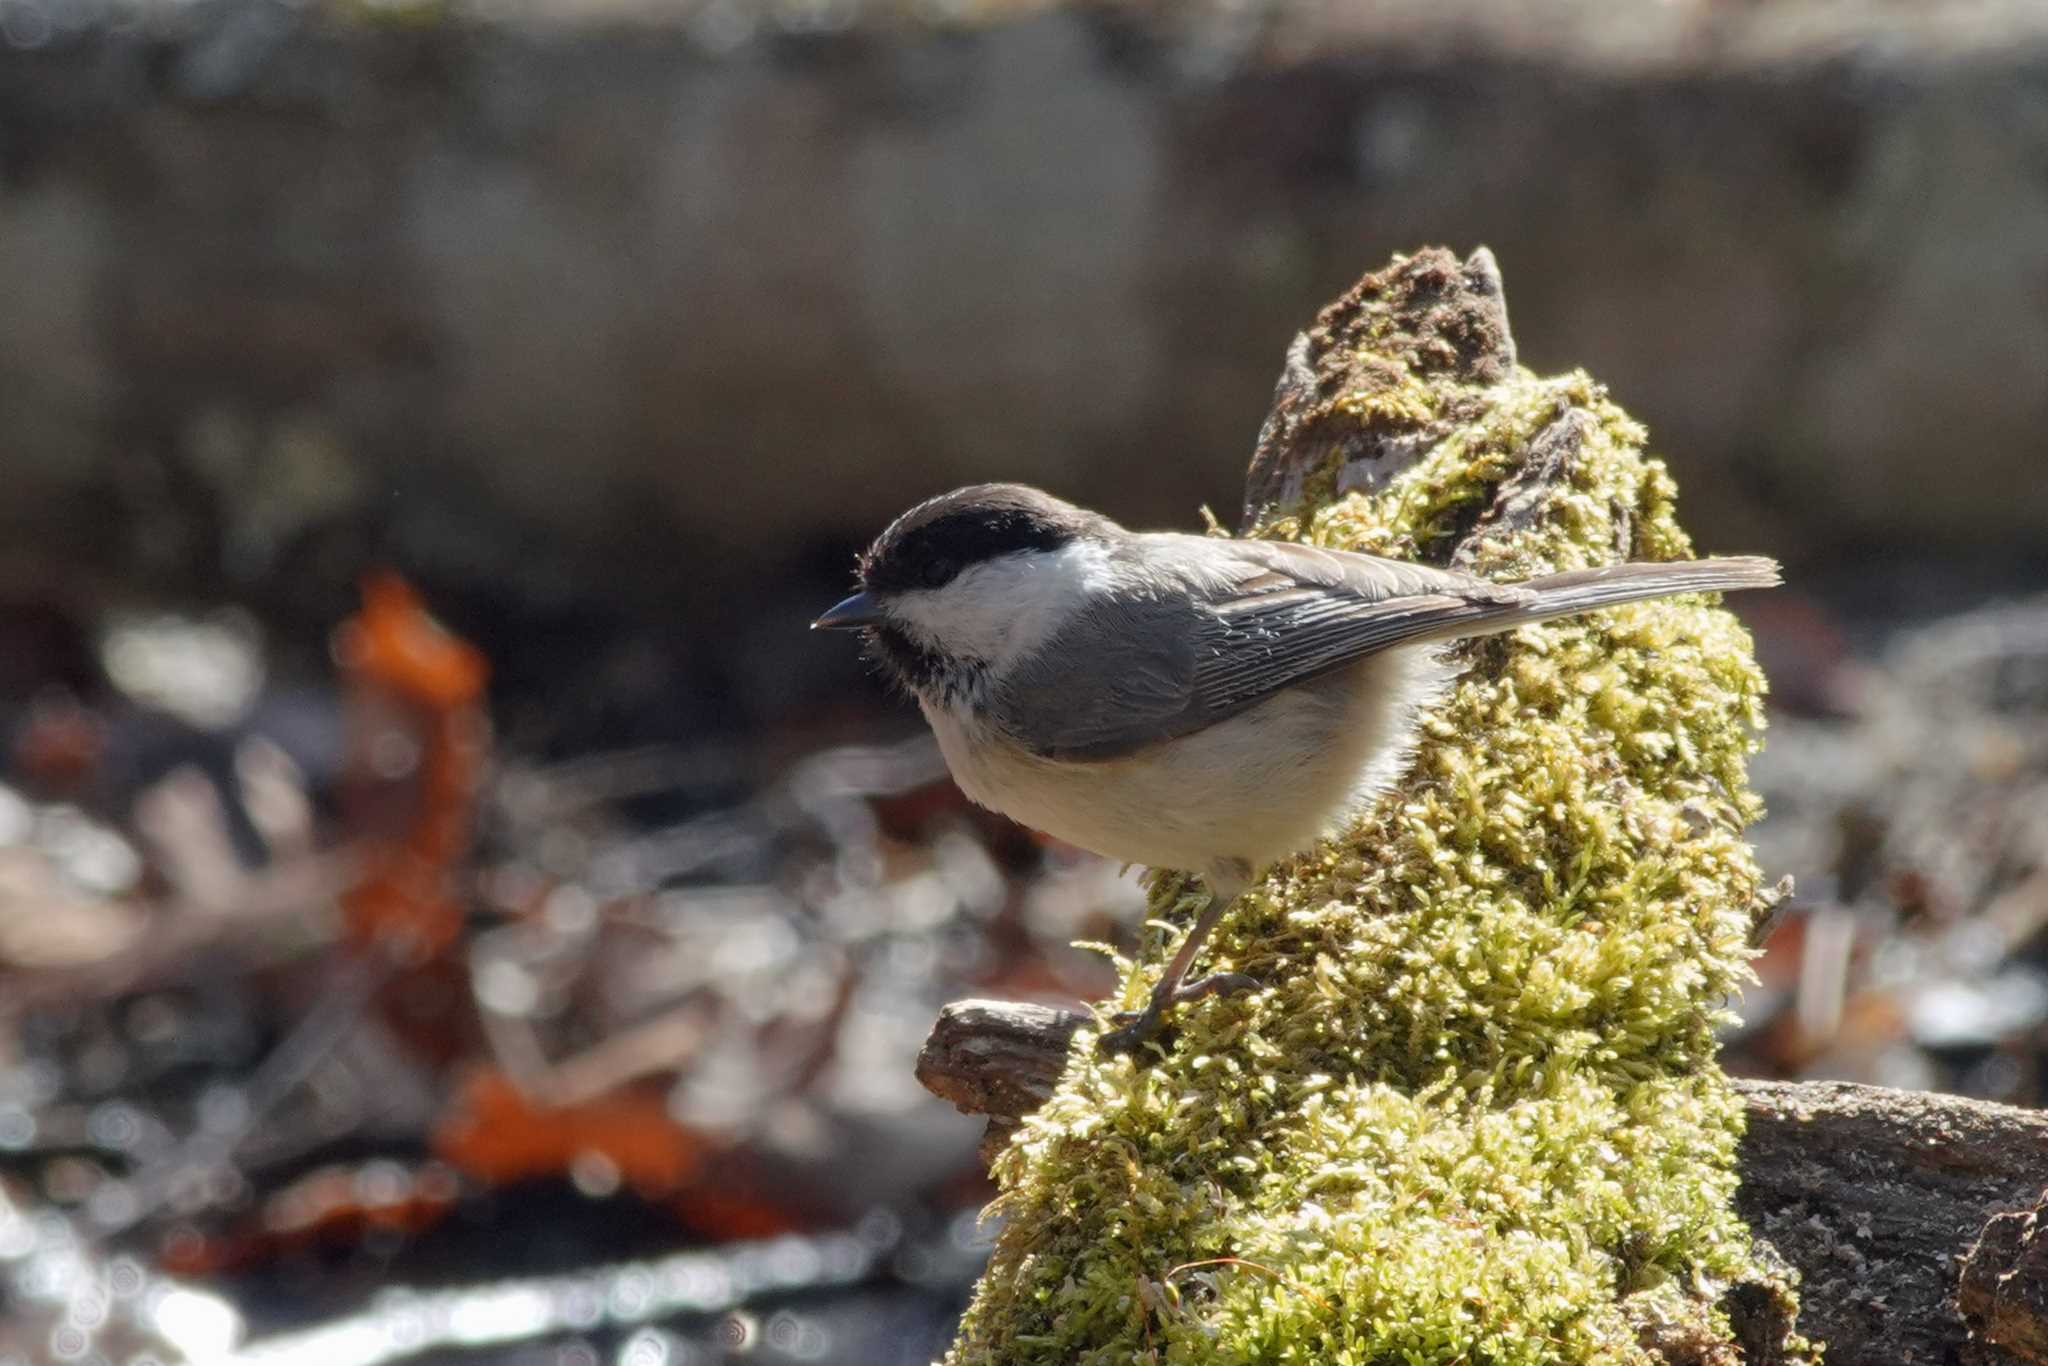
(1256, 617)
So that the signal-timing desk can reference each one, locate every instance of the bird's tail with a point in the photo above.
(1583, 590)
(1587, 590)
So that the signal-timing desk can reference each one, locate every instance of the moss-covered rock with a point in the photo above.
(1474, 1114)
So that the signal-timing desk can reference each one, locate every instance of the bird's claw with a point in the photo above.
(1215, 984)
(1138, 1026)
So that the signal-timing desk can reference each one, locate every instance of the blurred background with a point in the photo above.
(450, 910)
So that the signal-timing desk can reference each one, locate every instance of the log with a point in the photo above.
(1918, 1223)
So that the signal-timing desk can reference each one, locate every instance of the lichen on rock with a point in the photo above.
(1473, 1115)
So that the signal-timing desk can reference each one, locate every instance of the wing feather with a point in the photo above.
(1257, 616)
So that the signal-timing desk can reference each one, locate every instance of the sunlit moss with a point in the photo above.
(1474, 1114)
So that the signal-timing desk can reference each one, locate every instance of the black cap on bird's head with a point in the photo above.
(925, 550)
(929, 545)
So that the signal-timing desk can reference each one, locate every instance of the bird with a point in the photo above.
(1199, 703)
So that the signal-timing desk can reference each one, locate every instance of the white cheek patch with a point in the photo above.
(1006, 607)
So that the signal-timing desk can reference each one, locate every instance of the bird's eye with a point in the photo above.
(940, 571)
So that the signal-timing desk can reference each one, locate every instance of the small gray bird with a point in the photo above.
(1184, 701)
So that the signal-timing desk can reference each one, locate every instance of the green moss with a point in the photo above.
(1474, 1115)
(1399, 398)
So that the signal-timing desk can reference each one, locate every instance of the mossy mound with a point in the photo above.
(1474, 1115)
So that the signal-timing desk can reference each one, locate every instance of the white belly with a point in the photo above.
(1267, 783)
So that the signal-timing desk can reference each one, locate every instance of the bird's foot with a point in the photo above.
(1135, 1027)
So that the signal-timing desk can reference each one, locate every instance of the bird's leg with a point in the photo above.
(1226, 878)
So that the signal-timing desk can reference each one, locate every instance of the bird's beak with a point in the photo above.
(859, 610)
